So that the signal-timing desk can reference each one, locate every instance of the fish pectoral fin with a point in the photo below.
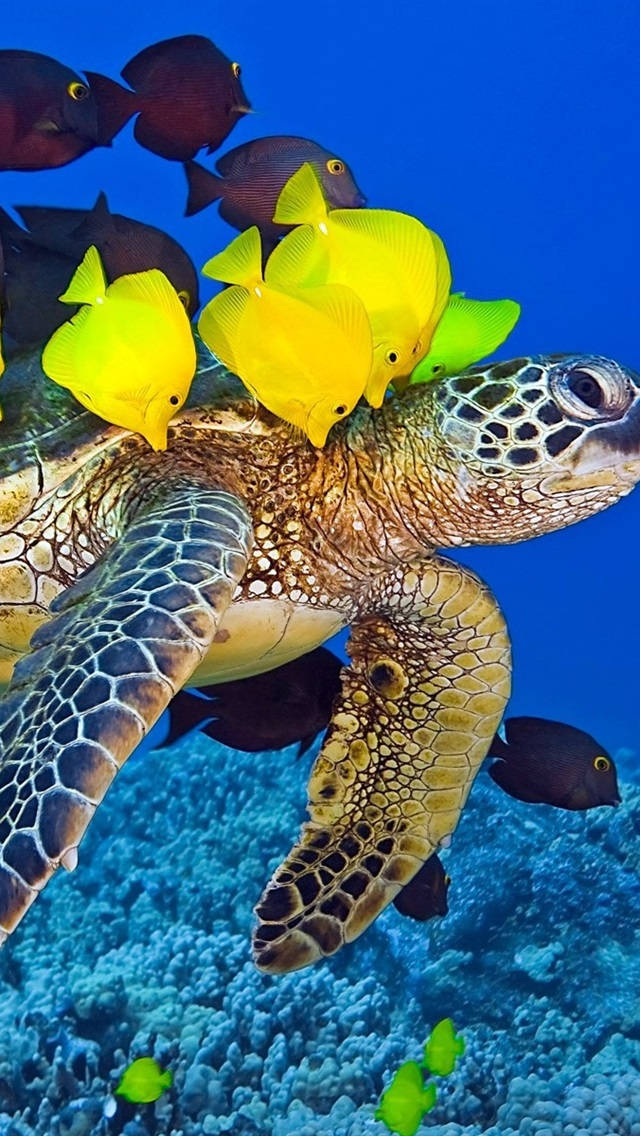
(58, 358)
(345, 308)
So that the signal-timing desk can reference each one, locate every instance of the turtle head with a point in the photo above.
(535, 444)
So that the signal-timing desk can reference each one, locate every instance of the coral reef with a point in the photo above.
(145, 950)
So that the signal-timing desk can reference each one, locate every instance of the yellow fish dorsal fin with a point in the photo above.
(151, 287)
(344, 307)
(299, 260)
(88, 283)
(484, 324)
(301, 201)
(59, 356)
(219, 322)
(241, 261)
(418, 252)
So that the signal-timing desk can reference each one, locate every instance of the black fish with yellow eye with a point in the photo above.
(125, 245)
(425, 896)
(40, 261)
(551, 763)
(186, 93)
(265, 711)
(48, 114)
(251, 177)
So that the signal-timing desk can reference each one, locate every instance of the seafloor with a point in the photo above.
(145, 950)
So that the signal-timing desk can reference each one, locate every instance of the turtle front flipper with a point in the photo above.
(421, 701)
(124, 639)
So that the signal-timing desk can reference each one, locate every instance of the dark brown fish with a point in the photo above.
(125, 245)
(186, 92)
(553, 764)
(426, 894)
(267, 711)
(33, 280)
(48, 114)
(253, 175)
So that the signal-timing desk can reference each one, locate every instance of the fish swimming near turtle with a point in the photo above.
(551, 763)
(250, 178)
(443, 1048)
(48, 113)
(406, 1100)
(467, 331)
(144, 1081)
(186, 94)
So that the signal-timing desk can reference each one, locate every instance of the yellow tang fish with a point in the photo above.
(305, 354)
(406, 1100)
(398, 267)
(128, 354)
(468, 331)
(143, 1081)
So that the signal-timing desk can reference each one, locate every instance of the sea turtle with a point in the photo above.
(125, 574)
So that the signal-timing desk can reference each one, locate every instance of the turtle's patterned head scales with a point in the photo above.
(539, 442)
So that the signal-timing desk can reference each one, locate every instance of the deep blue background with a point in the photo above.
(511, 129)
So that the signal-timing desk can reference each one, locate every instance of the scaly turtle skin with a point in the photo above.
(241, 547)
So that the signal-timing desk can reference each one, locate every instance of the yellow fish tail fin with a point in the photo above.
(487, 323)
(241, 261)
(166, 1080)
(59, 356)
(299, 261)
(151, 287)
(219, 324)
(345, 308)
(88, 283)
(301, 201)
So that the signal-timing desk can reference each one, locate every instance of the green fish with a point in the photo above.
(468, 330)
(144, 1081)
(403, 1105)
(442, 1049)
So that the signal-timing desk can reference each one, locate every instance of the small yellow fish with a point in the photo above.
(305, 354)
(443, 1048)
(403, 1105)
(143, 1081)
(397, 266)
(468, 331)
(128, 354)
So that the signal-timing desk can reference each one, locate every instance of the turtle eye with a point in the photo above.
(78, 91)
(236, 70)
(601, 763)
(185, 299)
(175, 400)
(587, 388)
(335, 166)
(391, 357)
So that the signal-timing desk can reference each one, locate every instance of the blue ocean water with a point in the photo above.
(512, 131)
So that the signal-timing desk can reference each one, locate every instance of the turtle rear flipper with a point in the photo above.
(123, 640)
(421, 701)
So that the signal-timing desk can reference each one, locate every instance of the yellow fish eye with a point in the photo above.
(236, 70)
(78, 91)
(391, 357)
(340, 409)
(174, 400)
(184, 298)
(437, 369)
(601, 763)
(335, 166)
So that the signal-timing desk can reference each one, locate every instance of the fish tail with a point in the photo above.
(166, 1080)
(241, 261)
(302, 201)
(203, 188)
(115, 104)
(88, 282)
(498, 748)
